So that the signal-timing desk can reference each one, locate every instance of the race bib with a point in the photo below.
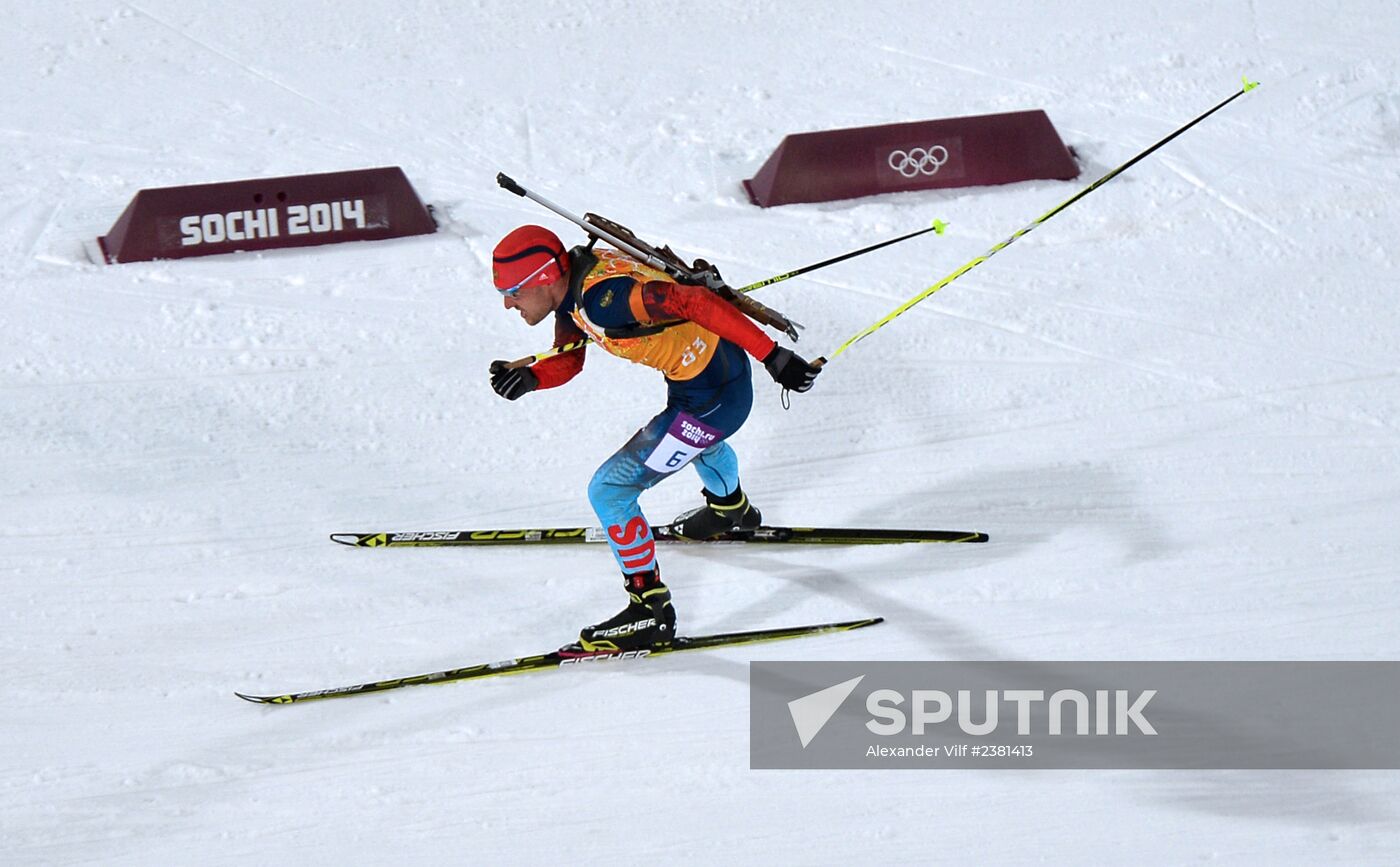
(684, 439)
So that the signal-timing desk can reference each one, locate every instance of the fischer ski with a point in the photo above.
(661, 532)
(566, 656)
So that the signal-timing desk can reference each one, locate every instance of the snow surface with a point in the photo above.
(1174, 408)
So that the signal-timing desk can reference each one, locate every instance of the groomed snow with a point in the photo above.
(1174, 407)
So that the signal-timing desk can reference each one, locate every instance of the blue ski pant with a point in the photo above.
(692, 429)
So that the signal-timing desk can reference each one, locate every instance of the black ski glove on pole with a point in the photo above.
(790, 370)
(512, 383)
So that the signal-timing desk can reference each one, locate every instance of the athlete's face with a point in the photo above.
(534, 303)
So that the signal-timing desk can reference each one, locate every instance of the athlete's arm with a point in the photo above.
(559, 369)
(662, 300)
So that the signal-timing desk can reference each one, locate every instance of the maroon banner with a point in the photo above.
(922, 155)
(296, 211)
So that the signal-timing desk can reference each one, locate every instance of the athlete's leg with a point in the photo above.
(615, 488)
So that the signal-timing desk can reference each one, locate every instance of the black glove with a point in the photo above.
(511, 383)
(790, 370)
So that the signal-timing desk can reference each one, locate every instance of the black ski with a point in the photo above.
(565, 656)
(662, 532)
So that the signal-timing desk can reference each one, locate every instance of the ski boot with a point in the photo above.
(719, 515)
(647, 621)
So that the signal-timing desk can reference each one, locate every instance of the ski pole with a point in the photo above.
(938, 227)
(871, 329)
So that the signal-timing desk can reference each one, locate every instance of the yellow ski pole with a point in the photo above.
(937, 226)
(876, 326)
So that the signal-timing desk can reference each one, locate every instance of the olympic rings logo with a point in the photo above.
(917, 161)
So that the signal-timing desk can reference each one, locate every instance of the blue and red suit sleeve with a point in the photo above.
(663, 300)
(559, 369)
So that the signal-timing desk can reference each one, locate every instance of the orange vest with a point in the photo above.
(679, 351)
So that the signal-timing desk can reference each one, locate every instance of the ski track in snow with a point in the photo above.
(1174, 407)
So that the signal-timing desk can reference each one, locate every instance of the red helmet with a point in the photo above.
(528, 256)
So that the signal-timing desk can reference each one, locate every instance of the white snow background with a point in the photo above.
(1174, 407)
